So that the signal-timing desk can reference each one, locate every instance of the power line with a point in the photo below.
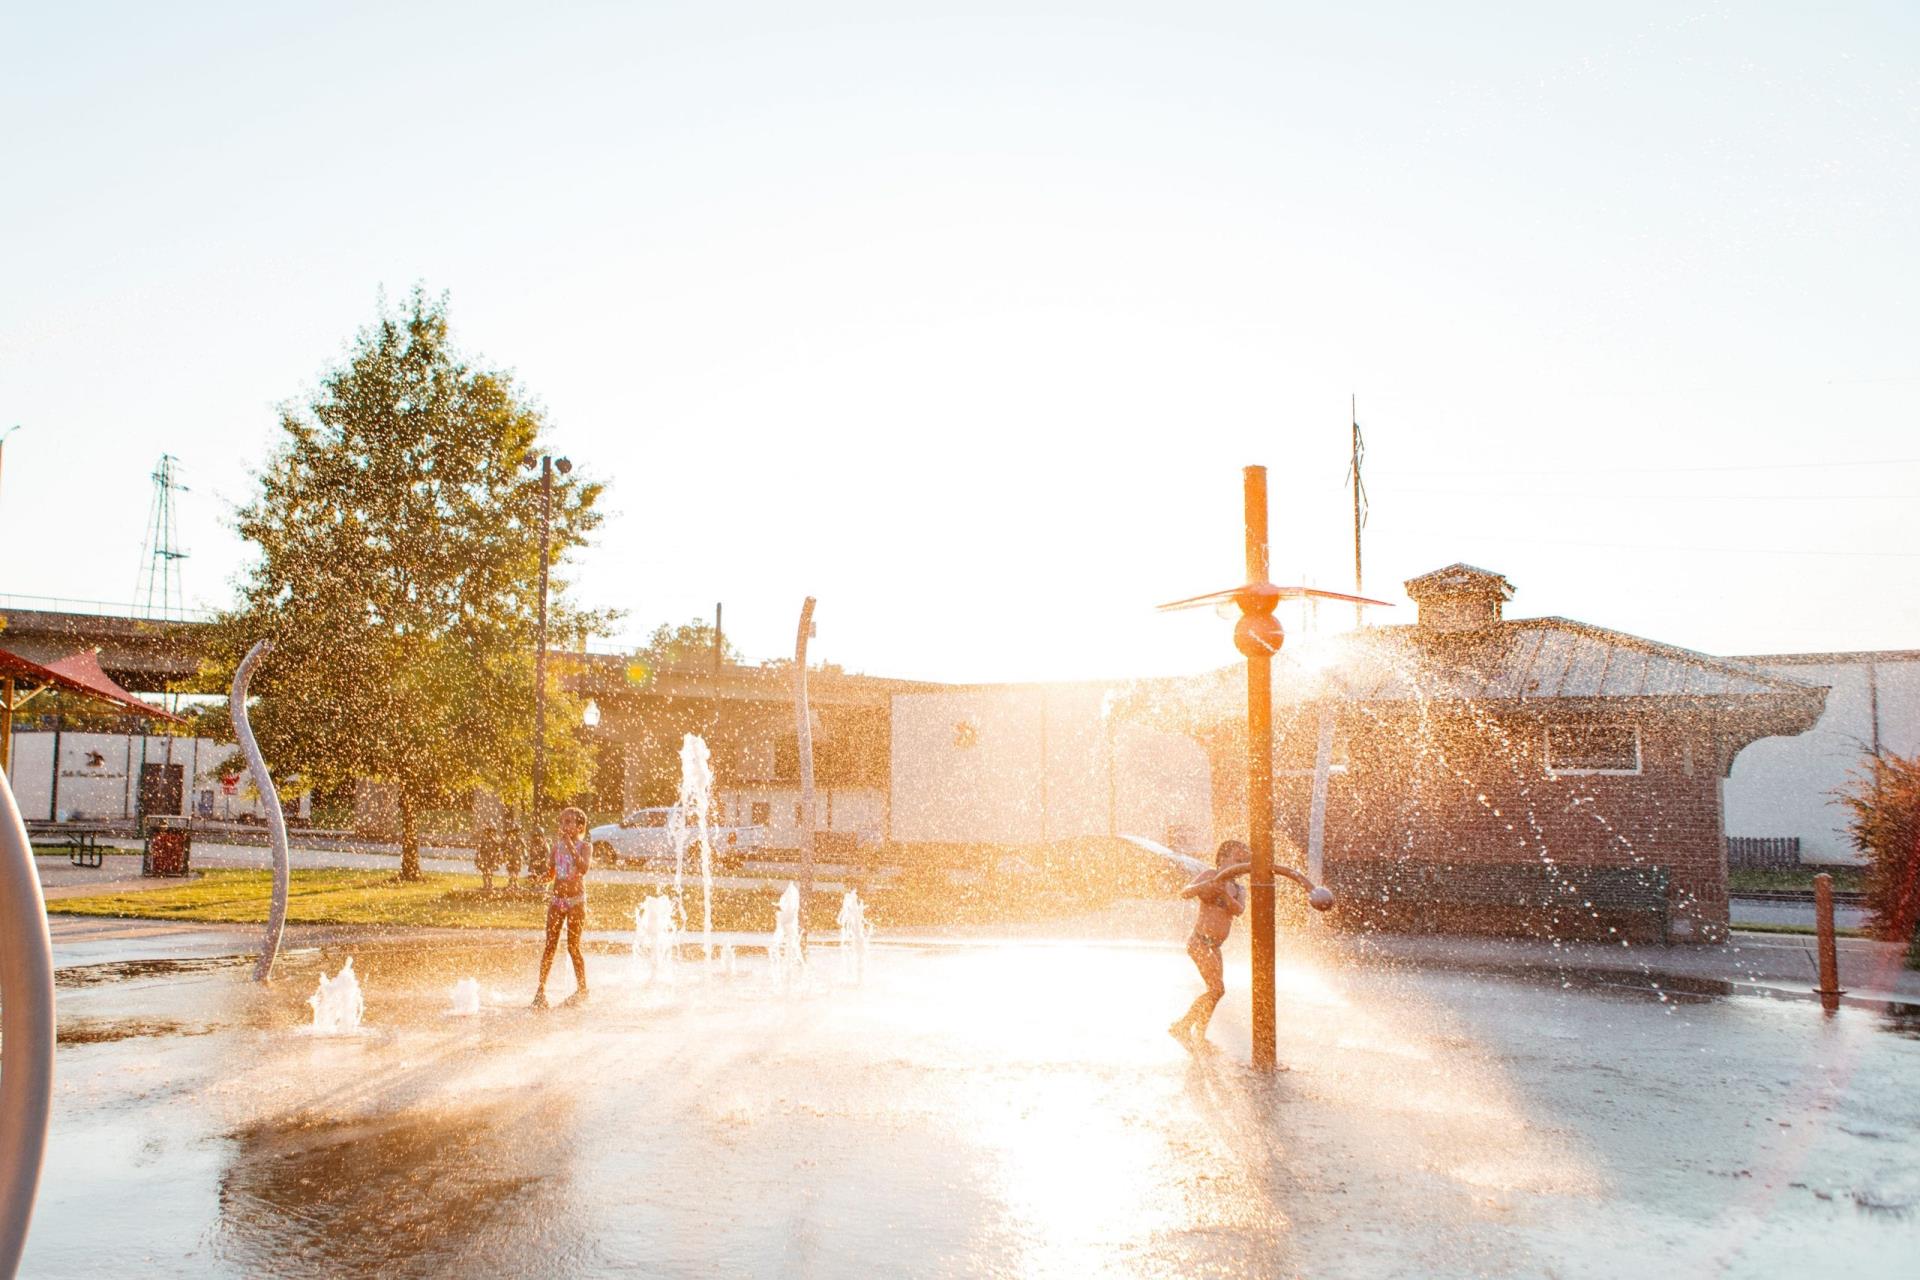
(1666, 548)
(1586, 471)
(1635, 497)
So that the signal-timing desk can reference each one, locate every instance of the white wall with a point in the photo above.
(1784, 786)
(1024, 764)
(110, 789)
(860, 811)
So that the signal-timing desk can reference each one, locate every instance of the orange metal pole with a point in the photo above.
(1260, 789)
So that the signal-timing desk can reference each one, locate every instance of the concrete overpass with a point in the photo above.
(145, 655)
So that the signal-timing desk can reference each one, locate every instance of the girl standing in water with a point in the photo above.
(567, 862)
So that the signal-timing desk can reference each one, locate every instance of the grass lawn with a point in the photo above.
(61, 851)
(438, 900)
(1845, 879)
(1805, 929)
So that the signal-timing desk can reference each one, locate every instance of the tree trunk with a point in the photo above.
(409, 836)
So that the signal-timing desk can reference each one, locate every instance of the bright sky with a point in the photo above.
(966, 324)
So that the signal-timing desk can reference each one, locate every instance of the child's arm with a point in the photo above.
(575, 884)
(1200, 885)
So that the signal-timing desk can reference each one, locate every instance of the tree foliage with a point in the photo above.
(397, 530)
(686, 645)
(1884, 801)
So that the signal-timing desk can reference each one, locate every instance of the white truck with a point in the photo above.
(648, 836)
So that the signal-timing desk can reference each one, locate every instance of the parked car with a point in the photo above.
(647, 836)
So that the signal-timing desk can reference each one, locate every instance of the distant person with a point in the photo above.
(487, 855)
(514, 851)
(567, 862)
(1221, 898)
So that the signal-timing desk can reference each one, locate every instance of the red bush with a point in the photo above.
(1884, 798)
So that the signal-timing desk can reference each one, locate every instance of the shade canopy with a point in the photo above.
(78, 673)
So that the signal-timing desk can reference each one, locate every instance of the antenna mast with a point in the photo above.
(157, 589)
(1359, 500)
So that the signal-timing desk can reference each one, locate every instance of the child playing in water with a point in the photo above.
(567, 864)
(1222, 898)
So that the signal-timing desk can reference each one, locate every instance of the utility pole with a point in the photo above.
(548, 464)
(157, 588)
(1359, 500)
(719, 639)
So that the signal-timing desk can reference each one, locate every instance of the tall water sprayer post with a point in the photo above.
(1258, 636)
(270, 796)
(803, 717)
(26, 1032)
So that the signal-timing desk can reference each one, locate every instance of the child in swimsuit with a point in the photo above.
(567, 864)
(1221, 898)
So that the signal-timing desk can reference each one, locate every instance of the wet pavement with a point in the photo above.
(987, 1108)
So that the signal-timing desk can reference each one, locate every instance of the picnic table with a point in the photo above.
(80, 839)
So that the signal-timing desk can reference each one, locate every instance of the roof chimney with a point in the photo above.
(1459, 597)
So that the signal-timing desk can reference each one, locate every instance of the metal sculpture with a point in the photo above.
(270, 796)
(26, 1032)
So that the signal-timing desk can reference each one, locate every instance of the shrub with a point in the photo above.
(1884, 797)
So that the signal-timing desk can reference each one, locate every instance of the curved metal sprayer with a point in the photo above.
(26, 1032)
(270, 795)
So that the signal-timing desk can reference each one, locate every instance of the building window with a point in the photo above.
(1593, 748)
(762, 812)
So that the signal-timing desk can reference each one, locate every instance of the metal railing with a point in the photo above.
(101, 608)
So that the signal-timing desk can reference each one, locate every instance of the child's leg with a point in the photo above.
(555, 919)
(576, 926)
(1207, 960)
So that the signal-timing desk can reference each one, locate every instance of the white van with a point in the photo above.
(647, 836)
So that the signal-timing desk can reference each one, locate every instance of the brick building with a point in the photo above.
(1537, 775)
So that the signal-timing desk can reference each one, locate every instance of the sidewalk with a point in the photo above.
(121, 872)
(1758, 961)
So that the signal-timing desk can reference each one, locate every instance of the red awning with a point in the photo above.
(78, 673)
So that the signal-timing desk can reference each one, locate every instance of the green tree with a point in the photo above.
(398, 533)
(1884, 800)
(685, 645)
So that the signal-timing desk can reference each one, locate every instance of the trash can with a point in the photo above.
(168, 851)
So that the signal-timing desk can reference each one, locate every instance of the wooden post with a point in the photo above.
(1829, 989)
(6, 728)
(1260, 788)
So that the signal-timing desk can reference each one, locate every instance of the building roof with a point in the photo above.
(1524, 660)
(1856, 657)
(1457, 577)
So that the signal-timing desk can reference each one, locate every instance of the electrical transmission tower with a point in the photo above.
(157, 590)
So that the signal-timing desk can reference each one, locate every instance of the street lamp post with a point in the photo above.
(548, 465)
